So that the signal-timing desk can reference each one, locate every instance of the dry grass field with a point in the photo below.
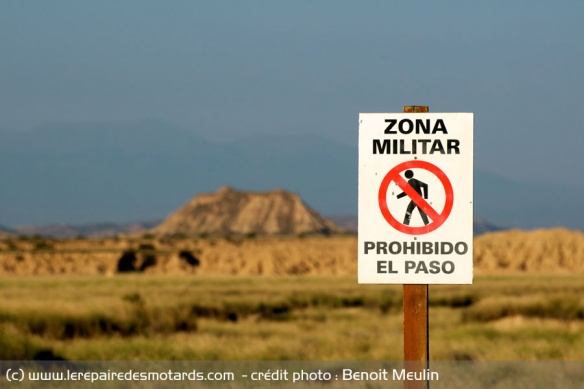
(189, 317)
(290, 298)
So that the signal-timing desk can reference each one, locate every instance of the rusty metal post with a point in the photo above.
(415, 305)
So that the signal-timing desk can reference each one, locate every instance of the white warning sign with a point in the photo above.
(415, 198)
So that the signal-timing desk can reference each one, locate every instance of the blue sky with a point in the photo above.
(226, 69)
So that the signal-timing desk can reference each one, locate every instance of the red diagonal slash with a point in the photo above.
(416, 198)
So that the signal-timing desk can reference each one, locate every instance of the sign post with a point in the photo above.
(415, 212)
(416, 319)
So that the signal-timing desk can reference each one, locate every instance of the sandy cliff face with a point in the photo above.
(555, 250)
(232, 212)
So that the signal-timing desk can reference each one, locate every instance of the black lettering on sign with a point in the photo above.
(369, 246)
(390, 126)
(415, 248)
(409, 266)
(385, 267)
(434, 267)
(453, 145)
(437, 147)
(381, 247)
(378, 148)
(439, 126)
(421, 268)
(423, 126)
(381, 267)
(415, 146)
(406, 129)
(446, 267)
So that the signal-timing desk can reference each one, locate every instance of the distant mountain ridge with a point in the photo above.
(142, 171)
(4, 232)
(89, 230)
(122, 172)
(346, 222)
(350, 223)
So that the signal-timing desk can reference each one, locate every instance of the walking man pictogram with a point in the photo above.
(419, 187)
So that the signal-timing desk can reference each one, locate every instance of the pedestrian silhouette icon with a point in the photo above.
(422, 189)
(417, 191)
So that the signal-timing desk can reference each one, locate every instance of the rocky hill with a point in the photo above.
(234, 212)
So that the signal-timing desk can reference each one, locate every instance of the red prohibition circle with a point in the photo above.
(437, 218)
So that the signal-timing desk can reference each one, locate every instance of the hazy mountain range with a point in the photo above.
(122, 173)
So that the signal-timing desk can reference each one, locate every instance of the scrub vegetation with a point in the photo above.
(159, 317)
